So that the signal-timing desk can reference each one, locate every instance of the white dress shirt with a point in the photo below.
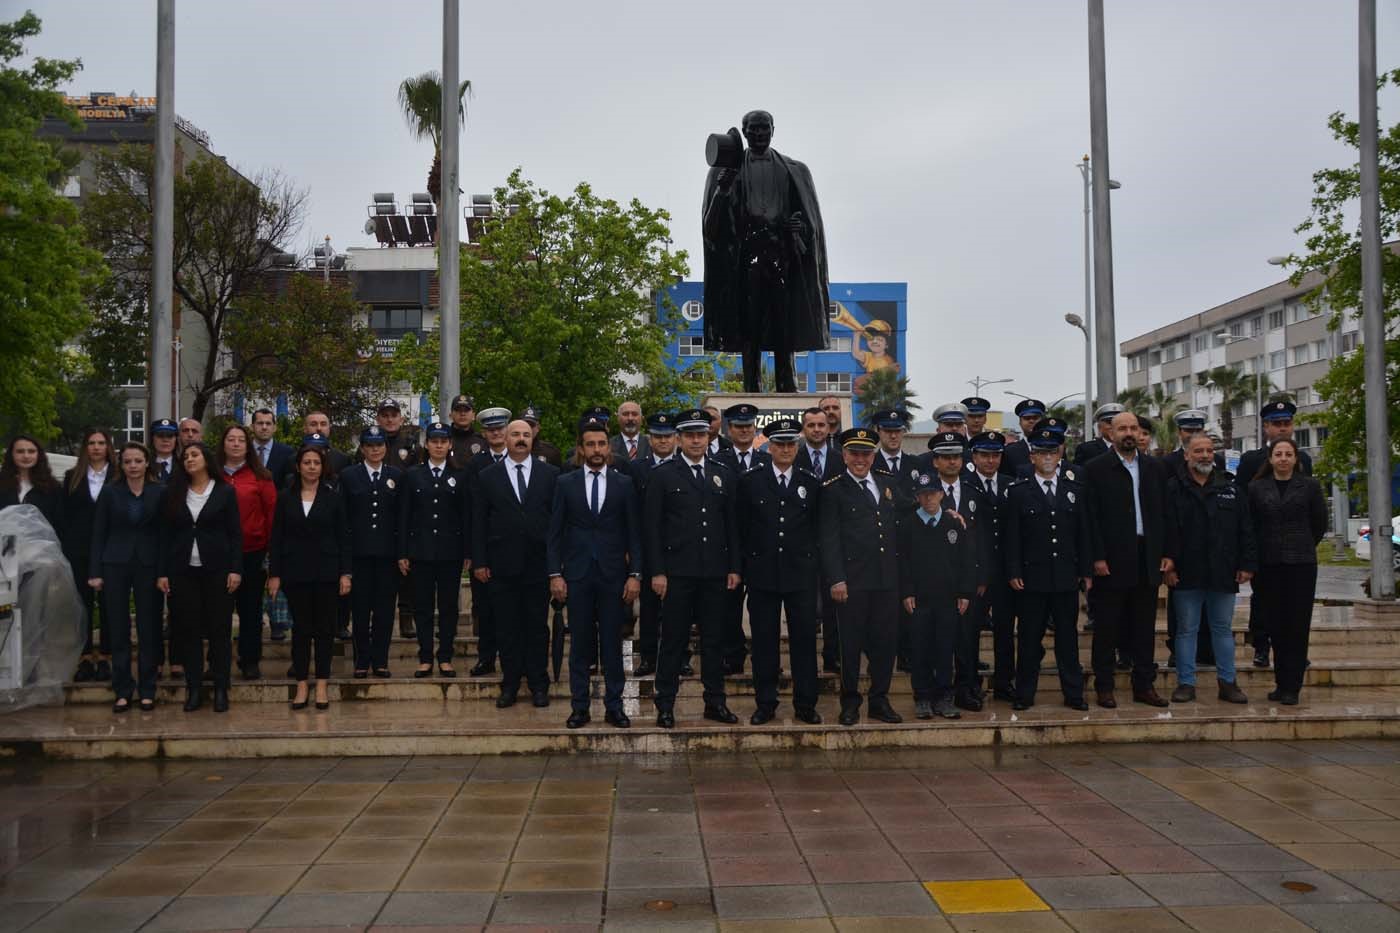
(96, 480)
(1132, 467)
(512, 473)
(588, 475)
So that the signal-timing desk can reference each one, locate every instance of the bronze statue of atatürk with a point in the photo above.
(765, 254)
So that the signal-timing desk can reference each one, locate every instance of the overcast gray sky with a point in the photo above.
(942, 136)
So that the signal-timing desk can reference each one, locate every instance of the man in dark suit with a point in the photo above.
(778, 527)
(817, 455)
(315, 423)
(1017, 456)
(740, 456)
(594, 557)
(661, 428)
(1127, 494)
(859, 519)
(630, 443)
(693, 538)
(434, 531)
(371, 494)
(891, 460)
(510, 519)
(1090, 449)
(274, 454)
(493, 423)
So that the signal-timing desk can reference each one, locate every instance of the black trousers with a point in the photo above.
(1035, 610)
(520, 607)
(123, 584)
(1258, 625)
(202, 606)
(735, 646)
(376, 584)
(483, 618)
(648, 630)
(1286, 594)
(1126, 616)
(405, 591)
(315, 608)
(691, 601)
(999, 603)
(934, 630)
(765, 613)
(869, 626)
(249, 601)
(437, 582)
(831, 629)
(91, 599)
(967, 643)
(596, 596)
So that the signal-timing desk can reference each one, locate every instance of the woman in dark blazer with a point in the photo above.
(125, 541)
(1290, 518)
(199, 564)
(310, 556)
(27, 479)
(82, 485)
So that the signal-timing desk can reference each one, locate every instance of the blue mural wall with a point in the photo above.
(868, 323)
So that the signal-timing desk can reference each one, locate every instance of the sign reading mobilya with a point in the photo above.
(124, 108)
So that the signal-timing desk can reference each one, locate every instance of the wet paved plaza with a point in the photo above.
(1249, 837)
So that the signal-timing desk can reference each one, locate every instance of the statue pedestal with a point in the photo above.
(779, 405)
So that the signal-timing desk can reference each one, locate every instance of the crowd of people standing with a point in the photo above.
(893, 558)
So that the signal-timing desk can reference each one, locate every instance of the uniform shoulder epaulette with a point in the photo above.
(833, 479)
(805, 471)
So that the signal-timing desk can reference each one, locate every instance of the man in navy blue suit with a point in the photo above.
(274, 454)
(593, 553)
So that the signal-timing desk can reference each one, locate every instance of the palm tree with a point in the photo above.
(1134, 399)
(421, 101)
(1235, 386)
(884, 388)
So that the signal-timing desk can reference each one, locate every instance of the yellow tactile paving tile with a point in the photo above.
(1007, 895)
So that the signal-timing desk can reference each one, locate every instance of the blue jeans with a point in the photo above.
(1220, 610)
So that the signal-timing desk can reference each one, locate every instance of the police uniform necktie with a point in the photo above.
(865, 483)
(437, 472)
(699, 469)
(743, 461)
(782, 481)
(374, 477)
(165, 470)
(593, 499)
(520, 480)
(1050, 491)
(894, 464)
(952, 498)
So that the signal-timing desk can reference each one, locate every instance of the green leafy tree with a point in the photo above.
(557, 308)
(117, 339)
(420, 99)
(309, 339)
(227, 229)
(885, 388)
(1135, 399)
(1332, 264)
(45, 270)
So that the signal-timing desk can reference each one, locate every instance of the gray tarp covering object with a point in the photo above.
(41, 641)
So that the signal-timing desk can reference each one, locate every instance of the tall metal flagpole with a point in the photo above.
(449, 220)
(1106, 353)
(1378, 450)
(163, 209)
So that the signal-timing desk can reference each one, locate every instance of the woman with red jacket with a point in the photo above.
(257, 498)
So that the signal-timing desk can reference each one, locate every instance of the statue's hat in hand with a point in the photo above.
(725, 150)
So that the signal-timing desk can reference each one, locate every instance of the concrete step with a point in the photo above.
(436, 728)
(404, 687)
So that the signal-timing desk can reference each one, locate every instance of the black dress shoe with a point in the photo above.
(540, 700)
(1020, 705)
(221, 699)
(983, 666)
(86, 672)
(809, 716)
(1078, 704)
(481, 669)
(505, 700)
(250, 671)
(122, 705)
(383, 673)
(831, 667)
(1150, 697)
(577, 719)
(1288, 698)
(360, 675)
(687, 670)
(666, 719)
(1106, 700)
(617, 718)
(421, 673)
(969, 702)
(849, 716)
(885, 713)
(445, 671)
(194, 699)
(720, 714)
(1001, 693)
(760, 716)
(645, 668)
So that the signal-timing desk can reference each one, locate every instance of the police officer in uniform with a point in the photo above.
(466, 442)
(543, 448)
(995, 605)
(1100, 445)
(740, 456)
(1018, 455)
(858, 518)
(434, 531)
(402, 450)
(777, 512)
(693, 536)
(661, 431)
(891, 460)
(1047, 552)
(493, 450)
(977, 408)
(371, 493)
(1278, 423)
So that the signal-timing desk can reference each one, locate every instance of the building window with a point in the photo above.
(135, 429)
(1349, 342)
(1237, 409)
(1278, 359)
(843, 344)
(1237, 328)
(1154, 358)
(833, 382)
(399, 320)
(1276, 319)
(1303, 436)
(1202, 342)
(1298, 312)
(1169, 353)
(701, 376)
(692, 346)
(1135, 363)
(692, 310)
(1322, 435)
(832, 309)
(1256, 326)
(799, 356)
(1300, 354)
(1320, 351)
(1303, 396)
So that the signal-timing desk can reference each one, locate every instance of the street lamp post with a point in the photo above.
(977, 382)
(1087, 175)
(1074, 320)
